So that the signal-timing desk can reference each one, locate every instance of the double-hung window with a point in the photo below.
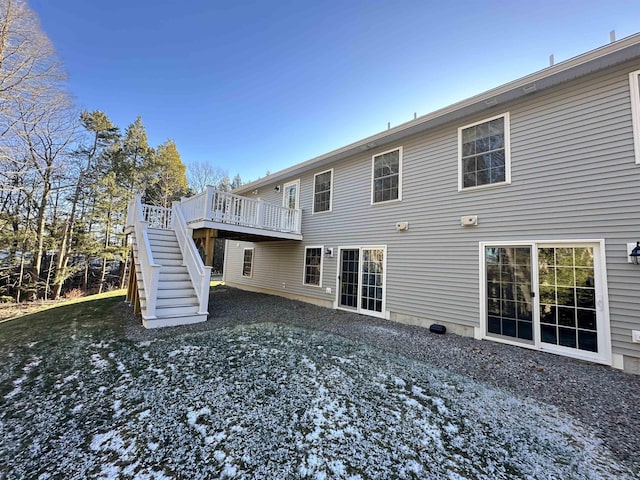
(247, 262)
(387, 176)
(313, 266)
(634, 84)
(484, 153)
(322, 188)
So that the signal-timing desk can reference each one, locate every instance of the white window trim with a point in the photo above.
(284, 193)
(634, 86)
(304, 266)
(373, 160)
(605, 356)
(313, 204)
(507, 154)
(253, 257)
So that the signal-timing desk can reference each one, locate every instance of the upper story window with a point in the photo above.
(634, 84)
(247, 262)
(313, 266)
(322, 188)
(387, 176)
(484, 153)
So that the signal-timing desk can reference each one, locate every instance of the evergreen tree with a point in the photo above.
(168, 181)
(101, 134)
(237, 182)
(136, 159)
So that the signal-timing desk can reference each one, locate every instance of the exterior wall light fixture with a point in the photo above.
(276, 188)
(635, 254)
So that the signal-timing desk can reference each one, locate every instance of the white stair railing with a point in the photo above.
(199, 273)
(149, 270)
(157, 217)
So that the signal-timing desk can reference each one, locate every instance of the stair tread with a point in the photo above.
(178, 315)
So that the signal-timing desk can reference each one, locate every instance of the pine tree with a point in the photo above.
(237, 182)
(136, 159)
(168, 179)
(101, 135)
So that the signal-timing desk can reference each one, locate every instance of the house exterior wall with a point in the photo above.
(573, 176)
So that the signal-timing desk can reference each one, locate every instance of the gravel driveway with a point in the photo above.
(604, 399)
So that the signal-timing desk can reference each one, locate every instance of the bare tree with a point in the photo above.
(29, 68)
(46, 127)
(201, 174)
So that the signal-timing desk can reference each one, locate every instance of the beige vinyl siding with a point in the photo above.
(573, 176)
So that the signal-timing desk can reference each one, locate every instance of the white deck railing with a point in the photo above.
(200, 274)
(223, 207)
(149, 270)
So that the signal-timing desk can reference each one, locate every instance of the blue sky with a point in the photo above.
(259, 85)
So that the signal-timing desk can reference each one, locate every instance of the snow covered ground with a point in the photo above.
(272, 402)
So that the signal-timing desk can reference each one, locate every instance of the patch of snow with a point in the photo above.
(229, 471)
(263, 401)
(98, 362)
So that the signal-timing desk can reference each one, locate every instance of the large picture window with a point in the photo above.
(387, 176)
(322, 187)
(484, 157)
(313, 266)
(247, 262)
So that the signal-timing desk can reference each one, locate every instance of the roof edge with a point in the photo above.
(506, 92)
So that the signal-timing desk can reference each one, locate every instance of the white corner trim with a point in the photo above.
(634, 87)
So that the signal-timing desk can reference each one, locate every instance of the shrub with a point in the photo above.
(74, 293)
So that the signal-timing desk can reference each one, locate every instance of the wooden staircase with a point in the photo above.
(161, 288)
(176, 301)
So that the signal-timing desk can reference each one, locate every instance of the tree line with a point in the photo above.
(67, 175)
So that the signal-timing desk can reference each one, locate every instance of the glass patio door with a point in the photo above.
(349, 278)
(361, 280)
(567, 300)
(509, 292)
(548, 296)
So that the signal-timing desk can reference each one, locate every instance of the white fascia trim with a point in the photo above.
(547, 77)
(507, 153)
(304, 265)
(634, 87)
(373, 161)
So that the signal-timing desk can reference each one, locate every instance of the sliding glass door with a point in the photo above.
(547, 296)
(361, 280)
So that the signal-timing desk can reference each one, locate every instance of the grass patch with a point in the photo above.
(11, 311)
(79, 400)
